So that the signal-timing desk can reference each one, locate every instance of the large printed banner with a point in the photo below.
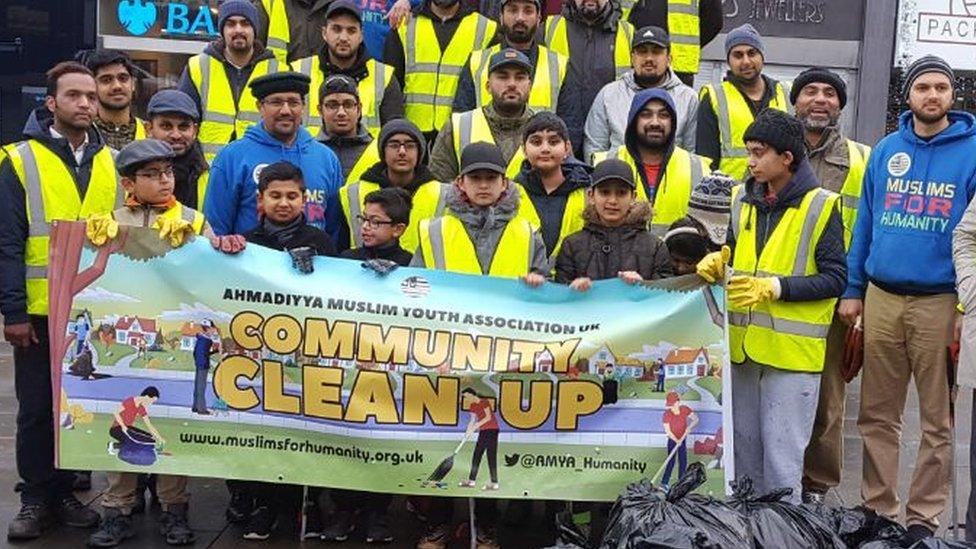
(419, 382)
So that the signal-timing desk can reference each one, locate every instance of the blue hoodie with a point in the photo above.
(642, 98)
(231, 203)
(913, 195)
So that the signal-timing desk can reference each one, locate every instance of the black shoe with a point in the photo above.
(313, 521)
(173, 526)
(82, 481)
(30, 522)
(115, 529)
(74, 513)
(260, 524)
(339, 528)
(915, 534)
(240, 507)
(378, 528)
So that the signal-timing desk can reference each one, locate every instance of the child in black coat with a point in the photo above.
(385, 217)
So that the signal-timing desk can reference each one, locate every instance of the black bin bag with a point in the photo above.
(779, 524)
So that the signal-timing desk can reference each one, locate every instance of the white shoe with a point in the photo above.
(113, 450)
(467, 484)
(490, 487)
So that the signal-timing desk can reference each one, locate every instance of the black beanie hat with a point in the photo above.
(404, 126)
(822, 76)
(923, 65)
(779, 130)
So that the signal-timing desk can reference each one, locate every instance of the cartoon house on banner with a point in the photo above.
(188, 337)
(605, 363)
(132, 330)
(683, 363)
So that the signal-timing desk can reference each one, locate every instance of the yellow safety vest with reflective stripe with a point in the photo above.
(572, 220)
(683, 171)
(471, 127)
(191, 216)
(734, 116)
(446, 246)
(684, 27)
(431, 76)
(371, 91)
(550, 73)
(786, 335)
(51, 194)
(202, 183)
(367, 159)
(428, 201)
(558, 41)
(278, 32)
(220, 118)
(850, 193)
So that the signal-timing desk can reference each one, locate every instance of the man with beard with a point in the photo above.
(116, 82)
(62, 170)
(344, 53)
(597, 41)
(500, 122)
(343, 129)
(174, 119)
(650, 57)
(231, 203)
(666, 172)
(218, 78)
(902, 282)
(428, 54)
(551, 91)
(692, 24)
(819, 95)
(725, 111)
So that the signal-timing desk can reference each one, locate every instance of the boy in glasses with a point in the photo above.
(386, 214)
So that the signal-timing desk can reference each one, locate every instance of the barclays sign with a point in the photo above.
(166, 19)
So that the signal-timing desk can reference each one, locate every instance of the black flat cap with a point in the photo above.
(280, 82)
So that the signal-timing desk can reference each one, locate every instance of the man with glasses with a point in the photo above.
(402, 164)
(343, 129)
(231, 201)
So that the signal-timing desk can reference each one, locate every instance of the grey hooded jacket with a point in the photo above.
(606, 125)
(964, 260)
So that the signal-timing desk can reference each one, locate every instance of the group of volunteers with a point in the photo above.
(553, 144)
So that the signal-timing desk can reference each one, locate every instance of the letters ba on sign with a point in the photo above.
(946, 28)
(182, 20)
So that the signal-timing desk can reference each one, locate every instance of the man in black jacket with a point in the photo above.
(172, 117)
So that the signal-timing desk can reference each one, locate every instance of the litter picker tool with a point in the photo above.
(952, 358)
(664, 465)
(445, 466)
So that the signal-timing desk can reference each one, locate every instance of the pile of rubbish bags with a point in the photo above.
(646, 516)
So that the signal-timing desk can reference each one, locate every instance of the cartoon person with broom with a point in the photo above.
(678, 421)
(484, 423)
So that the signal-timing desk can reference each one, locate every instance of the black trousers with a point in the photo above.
(487, 442)
(352, 500)
(35, 422)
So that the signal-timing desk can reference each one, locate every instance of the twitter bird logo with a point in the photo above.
(137, 16)
(511, 460)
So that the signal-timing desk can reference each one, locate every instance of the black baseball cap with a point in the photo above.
(613, 169)
(509, 57)
(338, 83)
(651, 35)
(344, 6)
(481, 155)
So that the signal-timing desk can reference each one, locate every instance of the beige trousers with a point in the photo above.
(824, 457)
(121, 493)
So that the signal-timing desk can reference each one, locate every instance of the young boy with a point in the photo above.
(385, 217)
(615, 242)
(480, 234)
(687, 244)
(281, 226)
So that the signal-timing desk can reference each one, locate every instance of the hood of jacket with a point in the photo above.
(362, 137)
(642, 98)
(607, 19)
(671, 81)
(377, 174)
(576, 174)
(802, 182)
(259, 135)
(638, 217)
(357, 71)
(215, 49)
(484, 218)
(962, 125)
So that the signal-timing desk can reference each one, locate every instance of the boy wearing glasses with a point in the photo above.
(385, 216)
(403, 164)
(343, 128)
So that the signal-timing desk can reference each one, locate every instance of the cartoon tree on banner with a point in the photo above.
(68, 239)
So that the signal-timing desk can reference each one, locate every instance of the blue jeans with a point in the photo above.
(681, 455)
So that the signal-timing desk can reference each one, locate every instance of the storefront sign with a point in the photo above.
(826, 19)
(946, 28)
(181, 20)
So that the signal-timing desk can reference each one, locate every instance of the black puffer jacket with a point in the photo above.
(600, 252)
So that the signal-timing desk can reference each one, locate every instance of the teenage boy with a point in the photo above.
(615, 242)
(552, 183)
(343, 129)
(788, 240)
(386, 214)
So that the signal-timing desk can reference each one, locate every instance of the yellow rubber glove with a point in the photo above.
(748, 291)
(712, 266)
(175, 230)
(100, 228)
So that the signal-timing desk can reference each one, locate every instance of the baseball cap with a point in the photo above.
(481, 155)
(613, 169)
(509, 56)
(651, 35)
(340, 6)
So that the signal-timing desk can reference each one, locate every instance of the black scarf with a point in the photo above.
(282, 233)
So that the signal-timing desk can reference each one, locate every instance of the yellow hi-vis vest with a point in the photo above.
(734, 117)
(446, 246)
(220, 118)
(278, 32)
(428, 201)
(52, 195)
(558, 41)
(571, 222)
(367, 159)
(550, 73)
(683, 171)
(472, 126)
(786, 335)
(850, 193)
(684, 28)
(202, 183)
(431, 76)
(140, 129)
(371, 91)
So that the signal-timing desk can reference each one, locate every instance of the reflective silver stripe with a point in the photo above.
(187, 214)
(410, 48)
(379, 89)
(464, 129)
(629, 34)
(480, 77)
(354, 213)
(436, 228)
(35, 198)
(849, 201)
(806, 234)
(34, 271)
(249, 116)
(205, 87)
(479, 33)
(696, 169)
(305, 67)
(737, 207)
(277, 43)
(778, 325)
(688, 9)
(419, 98)
(441, 203)
(212, 148)
(688, 39)
(551, 28)
(218, 117)
(272, 65)
(554, 83)
(725, 125)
